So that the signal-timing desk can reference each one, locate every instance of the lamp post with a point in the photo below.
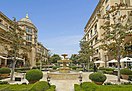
(48, 80)
(80, 78)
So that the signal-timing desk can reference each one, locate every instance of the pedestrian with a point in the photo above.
(95, 68)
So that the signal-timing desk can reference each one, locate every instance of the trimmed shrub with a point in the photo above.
(35, 67)
(74, 67)
(52, 88)
(22, 70)
(77, 87)
(101, 68)
(130, 77)
(97, 77)
(5, 71)
(34, 75)
(88, 86)
(109, 72)
(126, 72)
(55, 67)
(40, 86)
(4, 82)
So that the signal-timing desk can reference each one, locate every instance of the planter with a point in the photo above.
(31, 82)
(98, 83)
(125, 76)
(4, 75)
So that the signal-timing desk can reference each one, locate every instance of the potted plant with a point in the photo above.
(34, 75)
(4, 72)
(98, 78)
(125, 73)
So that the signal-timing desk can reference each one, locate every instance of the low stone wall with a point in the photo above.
(64, 76)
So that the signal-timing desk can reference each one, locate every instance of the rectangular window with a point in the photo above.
(29, 37)
(107, 8)
(96, 39)
(28, 30)
(1, 21)
(106, 1)
(127, 2)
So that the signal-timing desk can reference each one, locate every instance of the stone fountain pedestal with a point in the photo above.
(64, 76)
(64, 72)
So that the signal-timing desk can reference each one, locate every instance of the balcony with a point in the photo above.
(3, 27)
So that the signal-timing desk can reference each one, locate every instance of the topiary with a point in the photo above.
(5, 71)
(97, 77)
(55, 67)
(34, 75)
(40, 86)
(88, 86)
(126, 72)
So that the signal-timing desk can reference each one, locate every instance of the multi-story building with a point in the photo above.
(42, 54)
(93, 32)
(30, 36)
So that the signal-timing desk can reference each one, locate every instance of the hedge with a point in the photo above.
(39, 86)
(5, 70)
(94, 87)
(97, 77)
(34, 75)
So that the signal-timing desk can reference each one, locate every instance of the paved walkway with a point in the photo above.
(68, 85)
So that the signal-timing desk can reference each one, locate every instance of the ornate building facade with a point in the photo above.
(93, 32)
(26, 58)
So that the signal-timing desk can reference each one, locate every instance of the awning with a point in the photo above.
(3, 57)
(112, 61)
(99, 62)
(16, 58)
(126, 59)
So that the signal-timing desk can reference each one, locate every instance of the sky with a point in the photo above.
(60, 23)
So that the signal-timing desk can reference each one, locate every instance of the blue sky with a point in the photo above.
(60, 22)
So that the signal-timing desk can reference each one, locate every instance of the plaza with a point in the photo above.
(68, 85)
(61, 46)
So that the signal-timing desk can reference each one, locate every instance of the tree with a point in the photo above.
(85, 52)
(115, 33)
(14, 38)
(74, 58)
(54, 58)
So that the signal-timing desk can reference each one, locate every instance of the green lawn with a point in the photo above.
(87, 86)
(38, 86)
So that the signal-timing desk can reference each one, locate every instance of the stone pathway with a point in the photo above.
(68, 85)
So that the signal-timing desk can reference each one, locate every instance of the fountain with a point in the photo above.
(64, 68)
(64, 72)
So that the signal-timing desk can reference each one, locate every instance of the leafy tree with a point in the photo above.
(115, 33)
(85, 52)
(74, 58)
(54, 58)
(14, 38)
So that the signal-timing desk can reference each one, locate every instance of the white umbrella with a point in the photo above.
(112, 61)
(126, 59)
(99, 62)
(3, 57)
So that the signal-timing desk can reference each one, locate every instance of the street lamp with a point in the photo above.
(48, 80)
(80, 77)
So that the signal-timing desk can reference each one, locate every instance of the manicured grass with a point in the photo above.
(87, 86)
(114, 88)
(38, 86)
(7, 87)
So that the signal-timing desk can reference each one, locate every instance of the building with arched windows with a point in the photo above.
(30, 35)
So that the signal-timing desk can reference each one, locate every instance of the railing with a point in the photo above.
(3, 27)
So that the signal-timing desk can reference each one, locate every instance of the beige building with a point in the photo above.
(42, 54)
(92, 30)
(26, 58)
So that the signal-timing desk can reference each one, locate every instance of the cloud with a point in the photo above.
(63, 44)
